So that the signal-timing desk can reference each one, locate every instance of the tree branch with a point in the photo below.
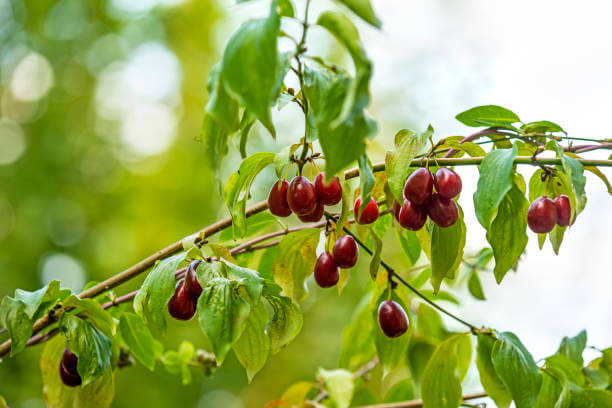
(419, 403)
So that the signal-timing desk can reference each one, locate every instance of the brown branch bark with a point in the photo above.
(419, 403)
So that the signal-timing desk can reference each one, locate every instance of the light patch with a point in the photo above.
(32, 78)
(149, 129)
(12, 141)
(64, 268)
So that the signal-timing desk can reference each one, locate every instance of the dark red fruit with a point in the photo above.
(346, 252)
(392, 318)
(419, 186)
(369, 214)
(396, 209)
(326, 271)
(447, 183)
(412, 216)
(69, 379)
(443, 212)
(330, 193)
(277, 199)
(542, 215)
(301, 196)
(182, 306)
(315, 216)
(564, 210)
(192, 286)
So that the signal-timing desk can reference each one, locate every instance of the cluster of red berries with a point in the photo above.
(303, 198)
(68, 369)
(420, 200)
(182, 305)
(544, 213)
(344, 255)
(392, 318)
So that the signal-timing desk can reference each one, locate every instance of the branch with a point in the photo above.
(362, 372)
(419, 403)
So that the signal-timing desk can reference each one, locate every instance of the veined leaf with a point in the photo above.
(139, 340)
(358, 337)
(488, 115)
(93, 312)
(253, 283)
(253, 346)
(573, 347)
(222, 107)
(339, 385)
(363, 8)
(286, 322)
(366, 181)
(446, 250)
(492, 384)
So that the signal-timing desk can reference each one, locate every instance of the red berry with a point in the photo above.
(182, 306)
(277, 199)
(68, 369)
(315, 216)
(419, 186)
(443, 212)
(192, 286)
(346, 252)
(396, 209)
(542, 215)
(301, 196)
(447, 183)
(392, 318)
(369, 214)
(564, 210)
(326, 271)
(412, 216)
(69, 379)
(330, 193)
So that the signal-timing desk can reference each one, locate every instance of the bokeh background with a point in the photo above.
(100, 102)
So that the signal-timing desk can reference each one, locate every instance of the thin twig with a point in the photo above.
(419, 403)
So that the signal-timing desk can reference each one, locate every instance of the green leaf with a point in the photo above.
(408, 145)
(257, 223)
(178, 362)
(92, 311)
(222, 107)
(286, 8)
(573, 347)
(214, 138)
(249, 67)
(495, 181)
(391, 351)
(339, 385)
(357, 337)
(492, 384)
(238, 186)
(446, 250)
(507, 234)
(565, 368)
(475, 287)
(253, 346)
(99, 394)
(430, 325)
(441, 384)
(2, 402)
(542, 126)
(488, 115)
(253, 283)
(552, 393)
(366, 181)
(152, 299)
(295, 261)
(375, 261)
(90, 345)
(401, 391)
(139, 340)
(37, 303)
(363, 8)
(591, 398)
(470, 148)
(516, 368)
(223, 315)
(17, 323)
(410, 244)
(575, 172)
(286, 322)
(246, 123)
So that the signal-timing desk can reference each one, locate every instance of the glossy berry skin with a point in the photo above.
(396, 209)
(369, 214)
(346, 252)
(447, 183)
(68, 369)
(328, 194)
(443, 212)
(182, 306)
(392, 318)
(542, 215)
(326, 271)
(412, 216)
(564, 210)
(419, 186)
(69, 379)
(315, 216)
(192, 286)
(277, 199)
(301, 196)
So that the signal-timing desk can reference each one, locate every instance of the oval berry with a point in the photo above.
(412, 216)
(419, 186)
(564, 210)
(326, 271)
(328, 193)
(392, 318)
(277, 199)
(447, 183)
(315, 216)
(182, 306)
(369, 214)
(346, 252)
(443, 212)
(192, 286)
(542, 215)
(69, 379)
(301, 196)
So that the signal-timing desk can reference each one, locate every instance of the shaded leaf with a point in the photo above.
(253, 346)
(363, 8)
(492, 384)
(446, 250)
(339, 385)
(139, 340)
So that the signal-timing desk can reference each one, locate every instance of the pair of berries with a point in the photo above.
(182, 305)
(420, 200)
(392, 318)
(68, 369)
(345, 254)
(544, 213)
(303, 198)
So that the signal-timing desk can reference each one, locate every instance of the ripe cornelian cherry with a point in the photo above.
(392, 318)
(192, 286)
(277, 199)
(412, 216)
(542, 215)
(564, 210)
(396, 209)
(68, 369)
(328, 193)
(182, 306)
(370, 212)
(69, 379)
(301, 196)
(326, 271)
(315, 216)
(443, 212)
(346, 252)
(447, 183)
(419, 186)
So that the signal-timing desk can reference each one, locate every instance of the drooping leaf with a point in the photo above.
(542, 126)
(551, 391)
(366, 181)
(253, 346)
(363, 8)
(488, 115)
(575, 171)
(257, 223)
(253, 283)
(295, 261)
(93, 312)
(214, 137)
(357, 337)
(410, 244)
(286, 322)
(139, 340)
(494, 182)
(221, 106)
(492, 384)
(339, 385)
(286, 8)
(585, 398)
(177, 362)
(446, 250)
(573, 347)
(475, 286)
(408, 145)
